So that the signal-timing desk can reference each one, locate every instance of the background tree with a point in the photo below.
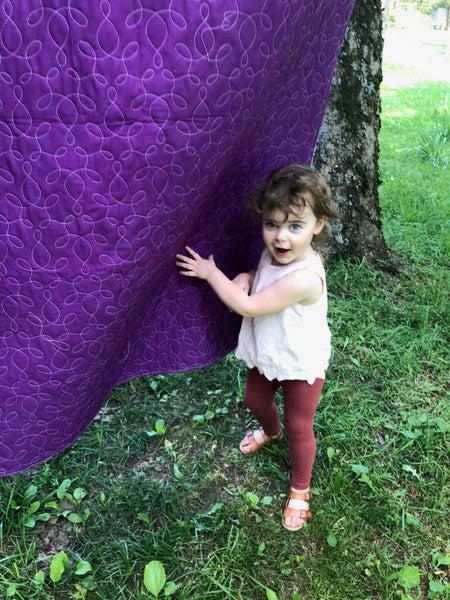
(347, 150)
(428, 6)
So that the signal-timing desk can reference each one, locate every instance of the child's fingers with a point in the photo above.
(192, 264)
(189, 259)
(185, 265)
(193, 253)
(186, 259)
(188, 269)
(189, 265)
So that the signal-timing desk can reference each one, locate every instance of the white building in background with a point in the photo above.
(439, 18)
(404, 15)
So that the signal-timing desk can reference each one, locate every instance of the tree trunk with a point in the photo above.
(347, 149)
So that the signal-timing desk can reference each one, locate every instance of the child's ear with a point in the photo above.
(320, 225)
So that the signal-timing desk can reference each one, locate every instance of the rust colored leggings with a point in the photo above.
(300, 403)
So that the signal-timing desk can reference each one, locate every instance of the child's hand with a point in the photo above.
(195, 266)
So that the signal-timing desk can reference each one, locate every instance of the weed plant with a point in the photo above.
(155, 500)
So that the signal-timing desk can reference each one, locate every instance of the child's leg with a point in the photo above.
(259, 398)
(300, 403)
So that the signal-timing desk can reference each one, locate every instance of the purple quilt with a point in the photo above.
(128, 129)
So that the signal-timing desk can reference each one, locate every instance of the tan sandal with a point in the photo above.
(255, 440)
(297, 506)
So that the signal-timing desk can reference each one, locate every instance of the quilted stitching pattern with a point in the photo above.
(128, 129)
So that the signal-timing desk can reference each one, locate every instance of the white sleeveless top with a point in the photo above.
(294, 343)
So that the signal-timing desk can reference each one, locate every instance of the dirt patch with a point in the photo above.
(55, 534)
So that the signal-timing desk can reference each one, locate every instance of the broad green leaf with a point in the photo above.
(441, 424)
(79, 494)
(29, 522)
(332, 541)
(39, 577)
(436, 587)
(410, 469)
(409, 577)
(252, 498)
(412, 520)
(33, 507)
(417, 420)
(217, 506)
(411, 435)
(359, 469)
(159, 427)
(170, 589)
(154, 577)
(89, 582)
(366, 479)
(30, 491)
(271, 595)
(83, 567)
(145, 518)
(74, 518)
(43, 517)
(62, 489)
(58, 565)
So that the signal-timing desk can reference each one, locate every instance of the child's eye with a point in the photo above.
(269, 225)
(295, 227)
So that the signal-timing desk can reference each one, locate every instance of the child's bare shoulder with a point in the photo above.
(307, 282)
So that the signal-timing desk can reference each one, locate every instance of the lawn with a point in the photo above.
(155, 497)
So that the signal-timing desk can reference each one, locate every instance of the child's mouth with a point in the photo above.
(281, 251)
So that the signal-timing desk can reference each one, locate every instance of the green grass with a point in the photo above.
(159, 477)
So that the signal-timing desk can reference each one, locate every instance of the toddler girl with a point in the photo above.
(284, 338)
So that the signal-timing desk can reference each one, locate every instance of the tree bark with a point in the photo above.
(347, 149)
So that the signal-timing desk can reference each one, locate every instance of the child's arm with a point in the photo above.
(244, 281)
(299, 286)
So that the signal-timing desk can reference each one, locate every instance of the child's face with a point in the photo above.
(289, 239)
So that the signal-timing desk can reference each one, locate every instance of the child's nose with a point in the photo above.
(281, 234)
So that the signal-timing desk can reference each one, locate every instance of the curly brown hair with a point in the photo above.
(290, 189)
